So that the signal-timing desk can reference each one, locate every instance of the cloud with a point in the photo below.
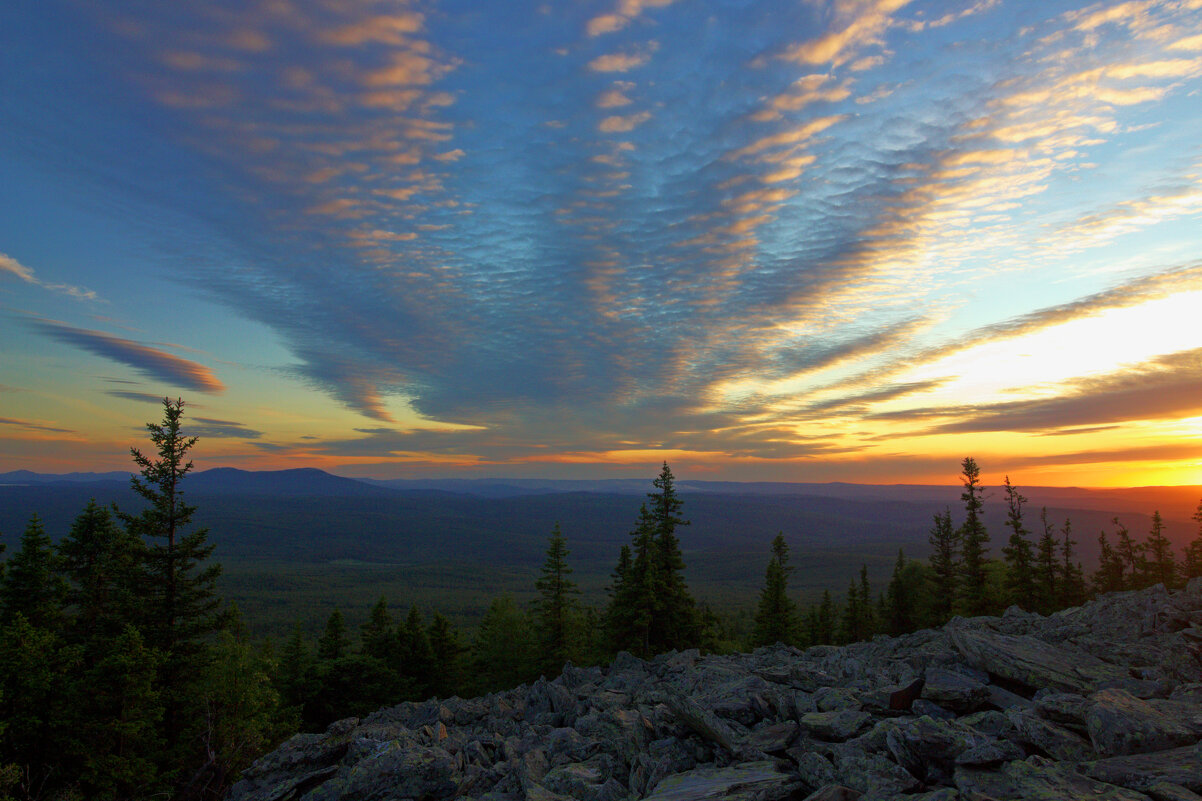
(141, 397)
(623, 124)
(1168, 387)
(623, 61)
(156, 364)
(13, 267)
(209, 427)
(858, 24)
(30, 426)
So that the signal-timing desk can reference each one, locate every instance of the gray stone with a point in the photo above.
(833, 792)
(839, 725)
(1031, 661)
(954, 691)
(928, 748)
(750, 781)
(1120, 723)
(993, 752)
(1181, 766)
(1164, 791)
(1053, 740)
(1036, 780)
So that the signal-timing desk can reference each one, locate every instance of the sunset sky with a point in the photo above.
(764, 240)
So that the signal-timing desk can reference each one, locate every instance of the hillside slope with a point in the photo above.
(1101, 701)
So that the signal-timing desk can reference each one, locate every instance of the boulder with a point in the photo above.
(1120, 723)
(749, 781)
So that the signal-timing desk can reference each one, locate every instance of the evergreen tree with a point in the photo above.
(1109, 576)
(775, 617)
(974, 541)
(1018, 553)
(944, 559)
(1157, 562)
(556, 606)
(334, 643)
(868, 618)
(415, 656)
(1047, 570)
(1072, 577)
(1128, 556)
(101, 561)
(852, 618)
(675, 623)
(378, 635)
(294, 679)
(448, 657)
(1192, 566)
(901, 613)
(180, 598)
(33, 586)
(505, 649)
(826, 620)
(637, 590)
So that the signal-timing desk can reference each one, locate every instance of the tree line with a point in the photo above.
(124, 676)
(1038, 572)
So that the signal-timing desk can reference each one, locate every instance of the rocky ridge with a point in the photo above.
(1103, 701)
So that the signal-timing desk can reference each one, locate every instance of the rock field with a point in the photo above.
(1099, 702)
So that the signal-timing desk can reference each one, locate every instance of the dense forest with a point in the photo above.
(123, 675)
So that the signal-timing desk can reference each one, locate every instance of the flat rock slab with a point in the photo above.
(836, 726)
(749, 781)
(1120, 723)
(1035, 781)
(1182, 766)
(1033, 662)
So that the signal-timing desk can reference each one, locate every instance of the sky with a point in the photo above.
(776, 240)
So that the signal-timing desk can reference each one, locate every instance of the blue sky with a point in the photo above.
(853, 240)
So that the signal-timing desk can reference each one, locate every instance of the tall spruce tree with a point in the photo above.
(101, 560)
(555, 608)
(448, 656)
(180, 602)
(1072, 577)
(1157, 562)
(1192, 565)
(33, 585)
(901, 603)
(1047, 585)
(974, 543)
(945, 566)
(676, 624)
(776, 617)
(1126, 552)
(1018, 553)
(1109, 576)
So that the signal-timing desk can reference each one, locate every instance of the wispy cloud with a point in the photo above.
(32, 426)
(156, 364)
(227, 429)
(13, 267)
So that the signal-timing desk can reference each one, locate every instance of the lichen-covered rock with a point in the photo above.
(749, 781)
(1120, 723)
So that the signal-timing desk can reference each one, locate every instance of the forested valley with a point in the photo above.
(124, 675)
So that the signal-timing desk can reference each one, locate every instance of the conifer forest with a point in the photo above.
(125, 675)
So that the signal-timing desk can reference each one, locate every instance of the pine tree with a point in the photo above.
(1018, 553)
(556, 606)
(180, 600)
(378, 635)
(101, 561)
(415, 656)
(294, 679)
(1109, 576)
(826, 620)
(901, 614)
(675, 623)
(1047, 585)
(1192, 566)
(505, 648)
(334, 643)
(775, 617)
(33, 586)
(974, 540)
(1157, 561)
(868, 617)
(850, 622)
(944, 559)
(1128, 556)
(448, 657)
(1072, 577)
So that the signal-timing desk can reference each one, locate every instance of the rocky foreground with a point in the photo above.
(1100, 702)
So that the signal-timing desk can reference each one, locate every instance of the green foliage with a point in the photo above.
(944, 559)
(101, 561)
(33, 587)
(448, 655)
(1018, 553)
(902, 598)
(1192, 566)
(1109, 575)
(556, 610)
(1157, 564)
(776, 615)
(506, 650)
(651, 609)
(334, 642)
(974, 542)
(1047, 569)
(378, 636)
(1072, 578)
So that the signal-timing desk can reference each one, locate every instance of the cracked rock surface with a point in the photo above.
(1103, 701)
